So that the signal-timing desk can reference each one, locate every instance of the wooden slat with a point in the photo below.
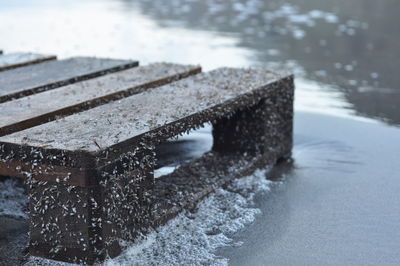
(14, 60)
(193, 101)
(46, 106)
(24, 81)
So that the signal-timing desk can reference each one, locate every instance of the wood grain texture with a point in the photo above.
(175, 107)
(24, 81)
(46, 106)
(14, 60)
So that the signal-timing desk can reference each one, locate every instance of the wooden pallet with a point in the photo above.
(87, 150)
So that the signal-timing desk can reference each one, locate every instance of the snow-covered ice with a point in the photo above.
(13, 200)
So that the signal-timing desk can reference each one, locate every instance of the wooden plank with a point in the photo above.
(24, 81)
(46, 106)
(163, 111)
(14, 60)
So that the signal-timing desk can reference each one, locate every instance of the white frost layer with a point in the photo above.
(192, 238)
(13, 200)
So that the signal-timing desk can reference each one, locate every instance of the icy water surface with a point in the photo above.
(337, 203)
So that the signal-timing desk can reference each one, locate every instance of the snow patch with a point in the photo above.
(13, 199)
(192, 238)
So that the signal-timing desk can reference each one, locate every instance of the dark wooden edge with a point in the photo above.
(71, 176)
(30, 62)
(20, 94)
(41, 119)
(51, 165)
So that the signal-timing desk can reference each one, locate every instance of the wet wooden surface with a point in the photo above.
(46, 106)
(200, 97)
(24, 81)
(14, 60)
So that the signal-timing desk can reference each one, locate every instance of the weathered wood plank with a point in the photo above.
(14, 60)
(164, 111)
(24, 81)
(47, 106)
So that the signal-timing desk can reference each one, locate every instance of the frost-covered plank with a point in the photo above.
(27, 80)
(46, 106)
(164, 111)
(14, 60)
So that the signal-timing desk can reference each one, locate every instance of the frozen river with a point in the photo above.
(337, 202)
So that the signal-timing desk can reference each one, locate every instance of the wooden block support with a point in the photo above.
(14, 60)
(262, 129)
(93, 171)
(85, 224)
(28, 80)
